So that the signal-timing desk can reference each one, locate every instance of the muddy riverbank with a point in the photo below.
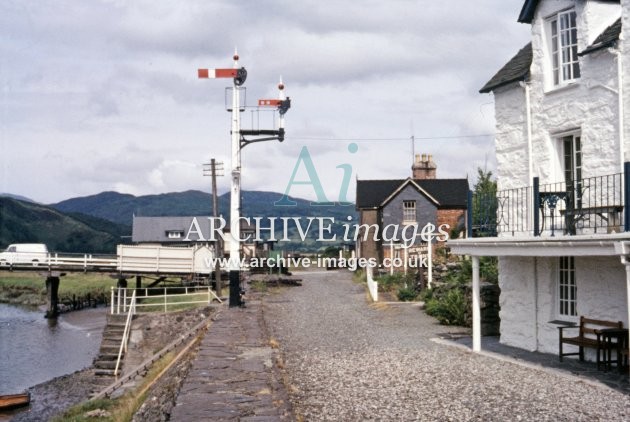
(55, 396)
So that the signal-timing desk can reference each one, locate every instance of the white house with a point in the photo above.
(562, 138)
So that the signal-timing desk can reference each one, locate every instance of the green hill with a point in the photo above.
(27, 222)
(120, 208)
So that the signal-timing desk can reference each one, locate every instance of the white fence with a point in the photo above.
(372, 285)
(152, 299)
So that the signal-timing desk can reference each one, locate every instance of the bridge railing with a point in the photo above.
(160, 299)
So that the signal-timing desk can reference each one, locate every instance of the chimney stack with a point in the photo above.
(424, 167)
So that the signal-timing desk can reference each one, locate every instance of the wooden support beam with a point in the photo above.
(52, 295)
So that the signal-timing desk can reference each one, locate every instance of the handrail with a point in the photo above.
(166, 294)
(123, 344)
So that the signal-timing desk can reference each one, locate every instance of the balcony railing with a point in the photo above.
(587, 206)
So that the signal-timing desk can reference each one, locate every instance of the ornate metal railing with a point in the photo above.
(587, 206)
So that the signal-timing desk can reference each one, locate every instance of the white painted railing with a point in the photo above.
(153, 298)
(372, 285)
(123, 343)
(83, 262)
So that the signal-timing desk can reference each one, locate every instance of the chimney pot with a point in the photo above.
(424, 157)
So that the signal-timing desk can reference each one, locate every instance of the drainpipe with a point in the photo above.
(528, 106)
(530, 164)
(621, 111)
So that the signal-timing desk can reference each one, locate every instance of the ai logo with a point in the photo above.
(313, 179)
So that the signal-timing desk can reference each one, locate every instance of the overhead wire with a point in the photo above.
(317, 138)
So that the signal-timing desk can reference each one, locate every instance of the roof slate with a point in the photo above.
(153, 229)
(517, 69)
(450, 193)
(605, 39)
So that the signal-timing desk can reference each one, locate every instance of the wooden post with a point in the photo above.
(138, 281)
(218, 249)
(52, 294)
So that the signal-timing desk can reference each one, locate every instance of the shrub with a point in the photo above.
(450, 309)
(390, 282)
(407, 294)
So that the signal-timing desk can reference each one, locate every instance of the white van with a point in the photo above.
(24, 253)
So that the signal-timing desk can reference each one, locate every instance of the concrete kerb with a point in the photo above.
(524, 364)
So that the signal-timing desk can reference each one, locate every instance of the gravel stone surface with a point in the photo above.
(346, 359)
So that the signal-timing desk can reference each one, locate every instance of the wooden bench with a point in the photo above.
(589, 335)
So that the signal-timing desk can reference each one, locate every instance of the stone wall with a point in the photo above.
(489, 299)
(426, 210)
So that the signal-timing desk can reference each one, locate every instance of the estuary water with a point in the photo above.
(34, 349)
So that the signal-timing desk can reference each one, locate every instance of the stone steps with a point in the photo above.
(105, 363)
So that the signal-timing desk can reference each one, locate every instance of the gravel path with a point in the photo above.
(348, 360)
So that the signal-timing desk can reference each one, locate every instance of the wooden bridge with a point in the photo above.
(130, 261)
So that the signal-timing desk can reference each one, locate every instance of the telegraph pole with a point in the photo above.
(212, 169)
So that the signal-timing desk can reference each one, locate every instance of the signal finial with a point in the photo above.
(235, 57)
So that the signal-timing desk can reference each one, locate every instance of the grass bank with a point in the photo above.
(122, 408)
(29, 288)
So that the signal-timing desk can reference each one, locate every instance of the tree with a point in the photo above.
(484, 206)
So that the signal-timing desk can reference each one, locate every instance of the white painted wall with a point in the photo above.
(529, 285)
(516, 279)
(584, 105)
(625, 48)
(511, 140)
(529, 298)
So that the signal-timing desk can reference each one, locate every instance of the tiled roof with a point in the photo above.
(450, 193)
(605, 39)
(517, 69)
(154, 229)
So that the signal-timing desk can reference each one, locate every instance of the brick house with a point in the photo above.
(417, 200)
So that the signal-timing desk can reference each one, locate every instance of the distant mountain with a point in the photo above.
(18, 197)
(27, 222)
(120, 208)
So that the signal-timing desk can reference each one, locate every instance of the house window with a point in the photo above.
(572, 167)
(563, 47)
(174, 234)
(567, 293)
(409, 211)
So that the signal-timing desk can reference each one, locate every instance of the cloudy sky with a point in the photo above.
(104, 95)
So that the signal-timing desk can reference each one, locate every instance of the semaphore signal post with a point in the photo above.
(241, 138)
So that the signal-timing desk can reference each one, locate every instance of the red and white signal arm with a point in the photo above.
(216, 73)
(269, 103)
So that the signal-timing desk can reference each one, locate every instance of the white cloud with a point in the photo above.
(103, 95)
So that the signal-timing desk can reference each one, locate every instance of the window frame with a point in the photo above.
(407, 209)
(562, 38)
(174, 234)
(567, 300)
